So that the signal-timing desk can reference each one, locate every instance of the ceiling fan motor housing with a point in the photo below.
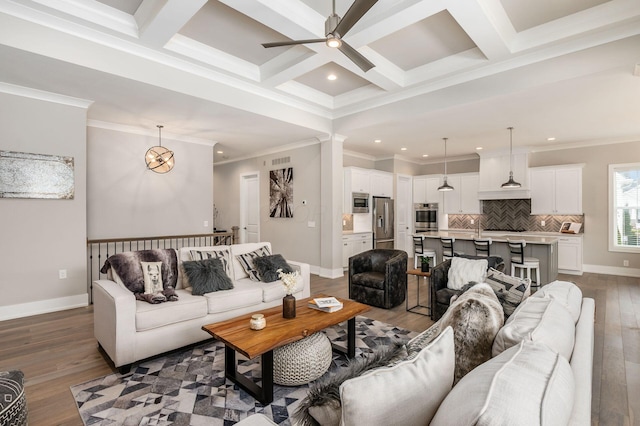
(330, 24)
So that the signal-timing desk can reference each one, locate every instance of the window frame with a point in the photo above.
(613, 246)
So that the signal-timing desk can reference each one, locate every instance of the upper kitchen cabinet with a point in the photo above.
(425, 189)
(381, 184)
(464, 197)
(556, 189)
(356, 180)
(494, 171)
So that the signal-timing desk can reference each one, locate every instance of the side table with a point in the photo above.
(418, 308)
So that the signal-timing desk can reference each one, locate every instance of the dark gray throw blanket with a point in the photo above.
(127, 266)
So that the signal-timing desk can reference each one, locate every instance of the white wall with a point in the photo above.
(38, 237)
(127, 200)
(292, 238)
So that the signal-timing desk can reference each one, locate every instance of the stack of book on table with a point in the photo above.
(326, 304)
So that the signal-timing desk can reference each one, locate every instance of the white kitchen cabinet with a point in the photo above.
(419, 189)
(495, 167)
(464, 197)
(570, 255)
(357, 180)
(425, 189)
(353, 244)
(556, 190)
(381, 184)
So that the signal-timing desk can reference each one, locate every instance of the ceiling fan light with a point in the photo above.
(333, 41)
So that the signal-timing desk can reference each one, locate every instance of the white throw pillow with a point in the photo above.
(541, 320)
(408, 393)
(566, 293)
(526, 385)
(152, 274)
(463, 271)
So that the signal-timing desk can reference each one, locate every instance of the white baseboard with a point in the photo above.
(612, 270)
(43, 306)
(331, 273)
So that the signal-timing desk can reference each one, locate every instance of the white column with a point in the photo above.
(331, 187)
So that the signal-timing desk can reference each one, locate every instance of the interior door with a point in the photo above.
(250, 208)
(403, 214)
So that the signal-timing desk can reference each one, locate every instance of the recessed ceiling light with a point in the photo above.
(551, 139)
(332, 77)
(378, 141)
(478, 148)
(403, 149)
(425, 155)
(220, 152)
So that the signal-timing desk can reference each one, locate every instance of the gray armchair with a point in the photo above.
(378, 277)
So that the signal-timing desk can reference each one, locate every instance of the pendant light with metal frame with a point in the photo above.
(511, 183)
(445, 186)
(158, 158)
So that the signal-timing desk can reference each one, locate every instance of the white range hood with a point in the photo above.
(494, 171)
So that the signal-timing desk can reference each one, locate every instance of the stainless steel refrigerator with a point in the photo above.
(383, 223)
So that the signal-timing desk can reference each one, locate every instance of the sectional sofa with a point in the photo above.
(130, 330)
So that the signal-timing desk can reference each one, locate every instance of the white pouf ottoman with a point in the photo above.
(303, 361)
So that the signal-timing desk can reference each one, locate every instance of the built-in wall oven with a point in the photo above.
(425, 217)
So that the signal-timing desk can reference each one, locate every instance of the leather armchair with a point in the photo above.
(378, 277)
(441, 295)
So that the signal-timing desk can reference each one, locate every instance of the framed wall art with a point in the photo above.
(24, 175)
(281, 193)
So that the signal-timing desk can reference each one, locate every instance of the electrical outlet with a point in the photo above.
(62, 274)
(542, 222)
(311, 224)
(473, 221)
(625, 262)
(206, 223)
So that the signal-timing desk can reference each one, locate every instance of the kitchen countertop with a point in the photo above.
(496, 236)
(356, 232)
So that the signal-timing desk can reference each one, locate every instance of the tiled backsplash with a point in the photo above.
(511, 215)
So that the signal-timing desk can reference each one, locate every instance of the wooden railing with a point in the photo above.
(99, 250)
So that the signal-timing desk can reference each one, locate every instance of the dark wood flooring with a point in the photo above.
(57, 350)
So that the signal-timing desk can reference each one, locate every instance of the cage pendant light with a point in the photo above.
(158, 158)
(511, 183)
(445, 186)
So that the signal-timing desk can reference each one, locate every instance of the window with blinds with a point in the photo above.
(625, 204)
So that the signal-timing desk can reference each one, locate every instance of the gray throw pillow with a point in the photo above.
(206, 276)
(267, 267)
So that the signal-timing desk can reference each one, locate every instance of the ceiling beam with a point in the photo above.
(159, 20)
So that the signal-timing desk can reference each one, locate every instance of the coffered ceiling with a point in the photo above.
(462, 69)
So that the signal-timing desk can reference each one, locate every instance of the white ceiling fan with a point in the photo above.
(335, 29)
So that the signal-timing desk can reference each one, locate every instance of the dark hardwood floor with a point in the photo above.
(57, 350)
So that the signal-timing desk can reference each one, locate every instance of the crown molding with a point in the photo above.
(275, 150)
(27, 92)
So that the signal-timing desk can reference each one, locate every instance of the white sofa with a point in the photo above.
(130, 330)
(540, 373)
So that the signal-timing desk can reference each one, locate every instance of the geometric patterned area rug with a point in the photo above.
(188, 387)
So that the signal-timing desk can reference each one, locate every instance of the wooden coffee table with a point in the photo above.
(238, 337)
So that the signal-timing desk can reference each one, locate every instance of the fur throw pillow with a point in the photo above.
(128, 267)
(476, 316)
(464, 271)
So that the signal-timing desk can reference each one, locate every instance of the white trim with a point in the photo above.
(135, 130)
(43, 306)
(331, 273)
(41, 95)
(612, 270)
(274, 150)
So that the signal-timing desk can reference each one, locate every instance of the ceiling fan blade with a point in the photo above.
(293, 42)
(356, 57)
(353, 15)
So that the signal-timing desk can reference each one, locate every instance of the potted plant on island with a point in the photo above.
(424, 263)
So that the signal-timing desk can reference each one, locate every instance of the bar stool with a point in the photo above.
(447, 247)
(483, 246)
(419, 251)
(516, 247)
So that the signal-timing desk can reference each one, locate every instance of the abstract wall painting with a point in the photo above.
(24, 175)
(281, 193)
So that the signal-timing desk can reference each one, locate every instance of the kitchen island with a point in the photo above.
(544, 248)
